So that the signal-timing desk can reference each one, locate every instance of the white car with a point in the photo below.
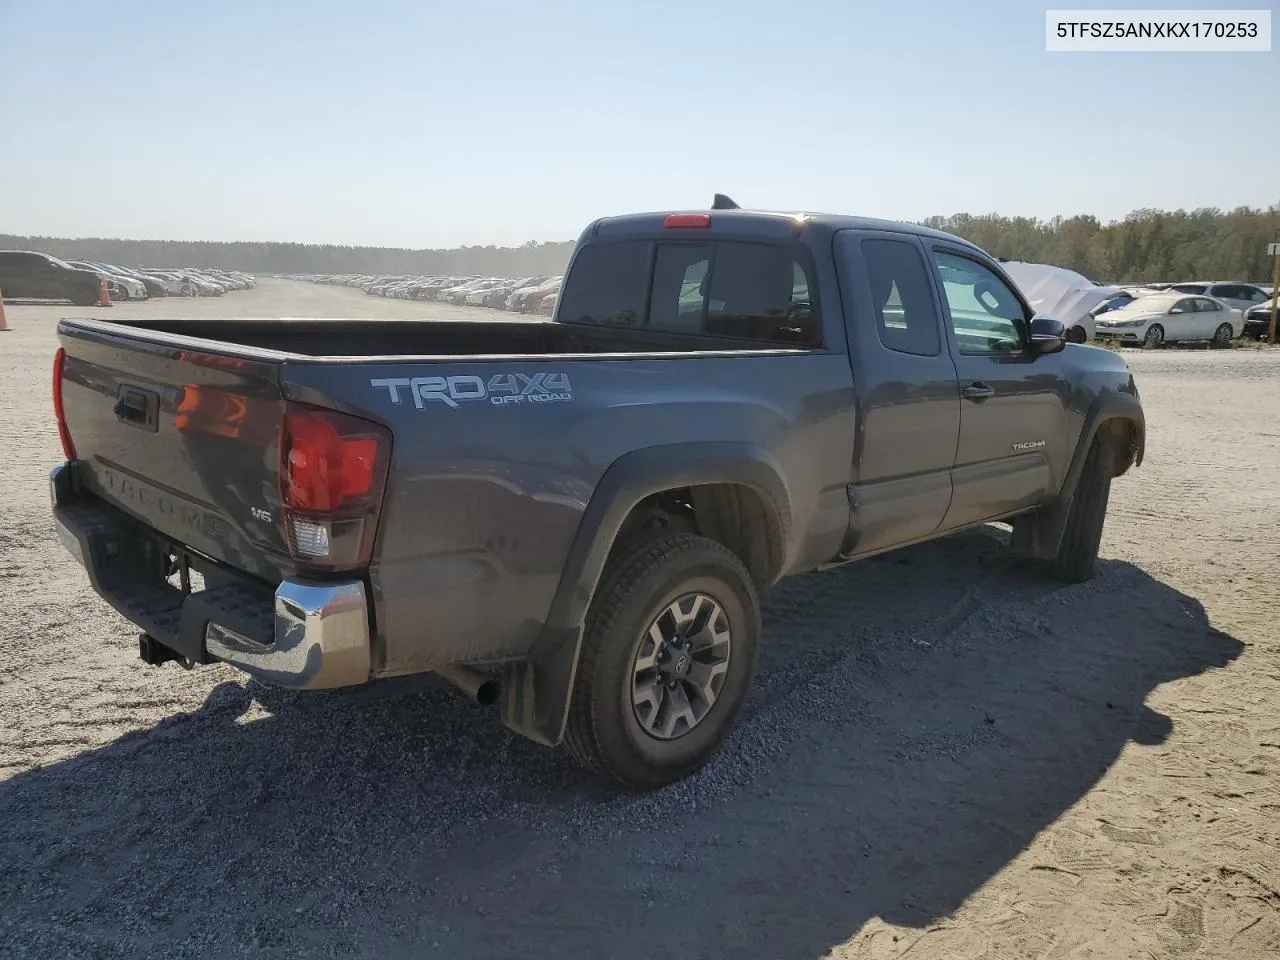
(1171, 318)
(118, 284)
(175, 284)
(1240, 296)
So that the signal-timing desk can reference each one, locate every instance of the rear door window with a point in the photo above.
(906, 317)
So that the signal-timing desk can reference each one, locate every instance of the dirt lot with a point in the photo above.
(944, 755)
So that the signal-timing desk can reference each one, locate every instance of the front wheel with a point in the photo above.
(1077, 334)
(667, 659)
(1154, 337)
(1221, 336)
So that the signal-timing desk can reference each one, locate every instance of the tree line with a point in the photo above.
(1146, 246)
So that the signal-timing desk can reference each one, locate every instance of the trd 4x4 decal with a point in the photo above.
(500, 389)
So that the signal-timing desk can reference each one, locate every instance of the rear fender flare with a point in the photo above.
(536, 690)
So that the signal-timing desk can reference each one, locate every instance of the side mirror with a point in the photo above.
(1047, 335)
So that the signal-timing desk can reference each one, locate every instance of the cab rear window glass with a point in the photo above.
(606, 285)
(750, 291)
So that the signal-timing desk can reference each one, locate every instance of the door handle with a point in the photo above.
(138, 408)
(977, 391)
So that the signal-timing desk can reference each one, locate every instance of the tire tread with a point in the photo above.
(1077, 556)
(629, 567)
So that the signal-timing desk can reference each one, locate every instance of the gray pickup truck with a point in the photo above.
(576, 517)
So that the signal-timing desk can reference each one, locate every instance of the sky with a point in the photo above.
(438, 123)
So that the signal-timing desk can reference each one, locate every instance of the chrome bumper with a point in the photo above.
(319, 636)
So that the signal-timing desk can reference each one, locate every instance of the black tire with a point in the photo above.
(1077, 334)
(1154, 338)
(1221, 339)
(1077, 556)
(604, 733)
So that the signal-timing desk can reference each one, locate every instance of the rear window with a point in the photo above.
(750, 291)
(607, 285)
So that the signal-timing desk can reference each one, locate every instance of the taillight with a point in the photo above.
(68, 448)
(333, 469)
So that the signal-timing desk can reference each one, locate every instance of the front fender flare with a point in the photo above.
(1040, 534)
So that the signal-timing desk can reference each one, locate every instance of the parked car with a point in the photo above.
(1257, 321)
(529, 299)
(39, 276)
(119, 286)
(155, 286)
(175, 284)
(600, 530)
(1063, 294)
(1238, 296)
(1171, 318)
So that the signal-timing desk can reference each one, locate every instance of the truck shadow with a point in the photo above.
(917, 720)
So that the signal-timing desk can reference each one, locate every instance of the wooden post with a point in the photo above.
(1274, 250)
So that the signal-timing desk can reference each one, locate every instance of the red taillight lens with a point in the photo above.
(325, 469)
(333, 468)
(688, 220)
(68, 448)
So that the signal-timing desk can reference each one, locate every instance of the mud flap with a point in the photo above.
(536, 691)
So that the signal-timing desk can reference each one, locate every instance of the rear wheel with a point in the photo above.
(1077, 556)
(1221, 336)
(1154, 336)
(1077, 334)
(667, 659)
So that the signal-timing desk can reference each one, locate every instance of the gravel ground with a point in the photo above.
(943, 754)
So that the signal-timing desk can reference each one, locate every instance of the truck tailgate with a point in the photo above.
(183, 439)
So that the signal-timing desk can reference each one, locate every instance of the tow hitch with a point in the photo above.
(153, 653)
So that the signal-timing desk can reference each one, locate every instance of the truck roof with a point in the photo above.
(756, 223)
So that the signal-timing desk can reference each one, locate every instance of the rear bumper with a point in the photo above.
(304, 635)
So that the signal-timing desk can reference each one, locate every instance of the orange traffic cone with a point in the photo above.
(4, 324)
(104, 298)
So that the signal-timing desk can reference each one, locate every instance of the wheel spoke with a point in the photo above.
(647, 697)
(677, 708)
(707, 679)
(650, 647)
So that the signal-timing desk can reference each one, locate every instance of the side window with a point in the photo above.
(986, 315)
(678, 298)
(1207, 306)
(1253, 294)
(1230, 291)
(906, 317)
(1183, 306)
(760, 292)
(606, 285)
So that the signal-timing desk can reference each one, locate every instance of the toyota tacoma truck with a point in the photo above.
(576, 517)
